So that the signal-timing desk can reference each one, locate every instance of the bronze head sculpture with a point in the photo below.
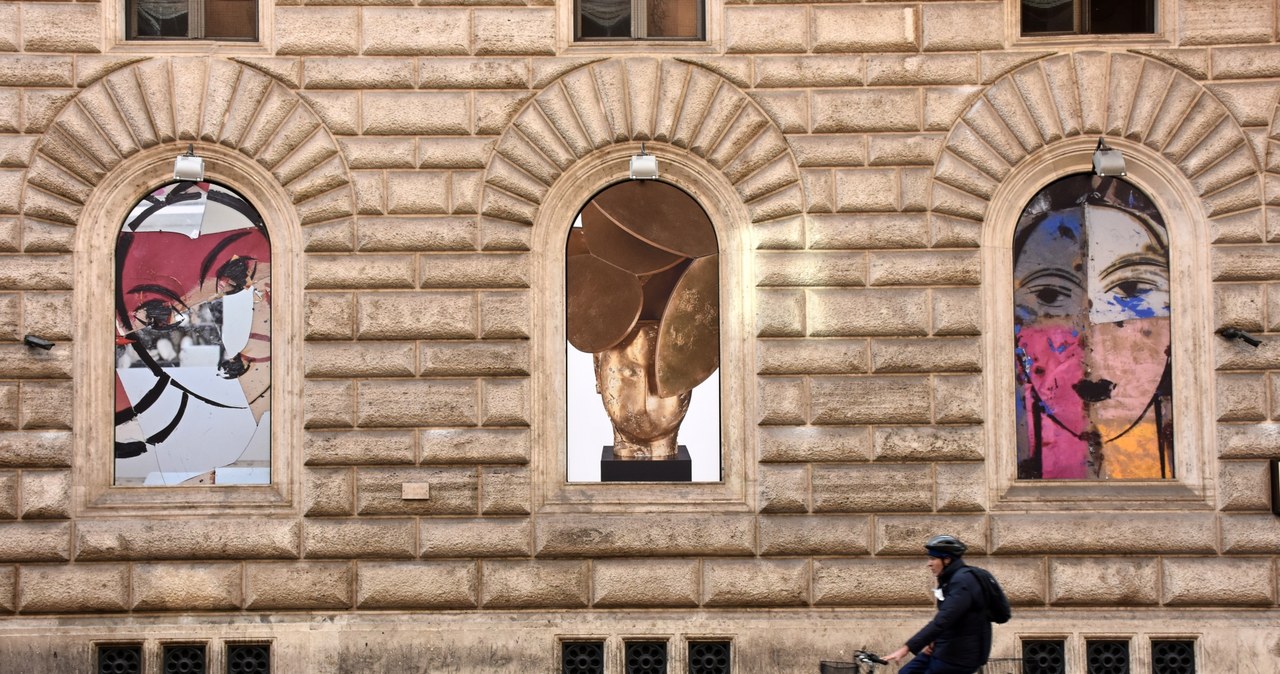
(642, 286)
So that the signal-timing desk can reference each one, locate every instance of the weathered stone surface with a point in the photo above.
(328, 492)
(933, 268)
(411, 31)
(358, 447)
(417, 585)
(171, 538)
(186, 587)
(958, 399)
(1103, 533)
(1250, 534)
(929, 443)
(379, 491)
(960, 487)
(781, 314)
(783, 488)
(357, 359)
(867, 312)
(35, 542)
(823, 535)
(811, 356)
(755, 582)
(1205, 22)
(416, 315)
(1243, 485)
(328, 404)
(475, 537)
(1103, 582)
(956, 26)
(864, 28)
(1248, 441)
(906, 534)
(535, 584)
(420, 402)
(77, 588)
(868, 582)
(8, 495)
(766, 29)
(46, 494)
(872, 488)
(1238, 305)
(298, 585)
(474, 446)
(328, 31)
(645, 583)
(925, 355)
(1217, 582)
(781, 400)
(643, 535)
(814, 443)
(869, 400)
(35, 449)
(504, 490)
(350, 539)
(810, 269)
(879, 109)
(416, 233)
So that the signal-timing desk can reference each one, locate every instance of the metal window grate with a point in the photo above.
(709, 657)
(646, 657)
(120, 659)
(1173, 657)
(1044, 657)
(1107, 657)
(582, 657)
(249, 659)
(184, 659)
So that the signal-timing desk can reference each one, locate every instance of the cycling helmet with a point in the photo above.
(944, 545)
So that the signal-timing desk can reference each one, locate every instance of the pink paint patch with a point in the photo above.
(1055, 361)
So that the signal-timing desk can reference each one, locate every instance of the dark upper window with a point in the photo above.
(191, 19)
(1088, 17)
(639, 20)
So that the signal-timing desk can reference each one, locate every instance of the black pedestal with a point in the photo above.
(676, 469)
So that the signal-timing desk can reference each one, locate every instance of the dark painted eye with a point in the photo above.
(159, 315)
(1051, 296)
(235, 274)
(1134, 288)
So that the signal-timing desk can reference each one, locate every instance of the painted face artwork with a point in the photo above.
(1091, 334)
(193, 340)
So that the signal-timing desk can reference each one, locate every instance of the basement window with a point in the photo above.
(1087, 17)
(639, 20)
(230, 20)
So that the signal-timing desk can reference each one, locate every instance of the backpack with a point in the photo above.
(995, 604)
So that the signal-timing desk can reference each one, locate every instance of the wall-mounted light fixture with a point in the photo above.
(37, 342)
(188, 166)
(644, 166)
(1107, 161)
(1237, 333)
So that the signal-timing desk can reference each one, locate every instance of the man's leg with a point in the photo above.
(917, 665)
(936, 666)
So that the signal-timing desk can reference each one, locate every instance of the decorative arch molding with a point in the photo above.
(180, 100)
(681, 107)
(1123, 96)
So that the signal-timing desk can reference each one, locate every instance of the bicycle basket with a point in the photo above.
(826, 667)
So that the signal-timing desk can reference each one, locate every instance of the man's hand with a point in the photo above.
(898, 654)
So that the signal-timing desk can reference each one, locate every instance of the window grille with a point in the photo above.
(249, 659)
(582, 657)
(120, 659)
(1173, 657)
(709, 657)
(646, 657)
(1044, 657)
(1108, 657)
(184, 659)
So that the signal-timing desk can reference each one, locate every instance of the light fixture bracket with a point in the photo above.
(188, 166)
(644, 166)
(1108, 161)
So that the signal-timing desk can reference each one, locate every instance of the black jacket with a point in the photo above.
(960, 633)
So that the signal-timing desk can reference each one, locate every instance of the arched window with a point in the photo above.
(192, 338)
(1092, 334)
(642, 305)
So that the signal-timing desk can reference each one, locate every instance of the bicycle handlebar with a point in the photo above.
(871, 657)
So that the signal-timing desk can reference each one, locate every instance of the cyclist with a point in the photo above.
(958, 639)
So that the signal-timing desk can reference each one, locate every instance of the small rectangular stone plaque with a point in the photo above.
(415, 491)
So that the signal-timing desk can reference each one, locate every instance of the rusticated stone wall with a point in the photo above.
(410, 152)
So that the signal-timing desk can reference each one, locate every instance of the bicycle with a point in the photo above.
(860, 658)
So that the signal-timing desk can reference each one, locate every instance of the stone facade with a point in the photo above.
(418, 167)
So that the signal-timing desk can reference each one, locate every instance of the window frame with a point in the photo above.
(552, 490)
(1191, 294)
(1165, 18)
(712, 19)
(195, 24)
(116, 26)
(639, 25)
(93, 455)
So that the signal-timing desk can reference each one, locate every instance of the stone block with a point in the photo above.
(455, 153)
(809, 71)
(1245, 63)
(415, 31)
(505, 402)
(46, 494)
(469, 73)
(962, 26)
(906, 534)
(11, 313)
(328, 492)
(1245, 263)
(961, 487)
(1024, 581)
(328, 315)
(925, 354)
(370, 192)
(362, 73)
(535, 584)
(416, 315)
(494, 110)
(783, 488)
(872, 488)
(155, 539)
(1103, 533)
(1217, 582)
(300, 586)
(872, 582)
(48, 315)
(1241, 397)
(1239, 305)
(36, 542)
(869, 230)
(821, 535)
(780, 313)
(1250, 534)
(869, 400)
(453, 491)
(416, 234)
(34, 272)
(1225, 22)
(309, 31)
(10, 36)
(74, 588)
(645, 583)
(418, 193)
(35, 449)
(769, 29)
(955, 311)
(474, 446)
(48, 237)
(475, 270)
(958, 399)
(867, 312)
(22, 362)
(903, 149)
(8, 495)
(359, 359)
(416, 113)
(9, 406)
(358, 447)
(186, 587)
(516, 31)
(865, 110)
(643, 535)
(929, 443)
(811, 356)
(829, 150)
(1248, 441)
(360, 271)
(328, 404)
(339, 110)
(353, 539)
(961, 268)
(8, 588)
(781, 400)
(36, 71)
(921, 69)
(755, 582)
(62, 27)
(810, 269)
(417, 585)
(475, 537)
(378, 153)
(505, 315)
(814, 444)
(1103, 582)
(864, 28)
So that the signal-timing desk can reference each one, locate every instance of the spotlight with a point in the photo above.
(37, 342)
(644, 166)
(188, 166)
(1237, 333)
(1107, 161)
